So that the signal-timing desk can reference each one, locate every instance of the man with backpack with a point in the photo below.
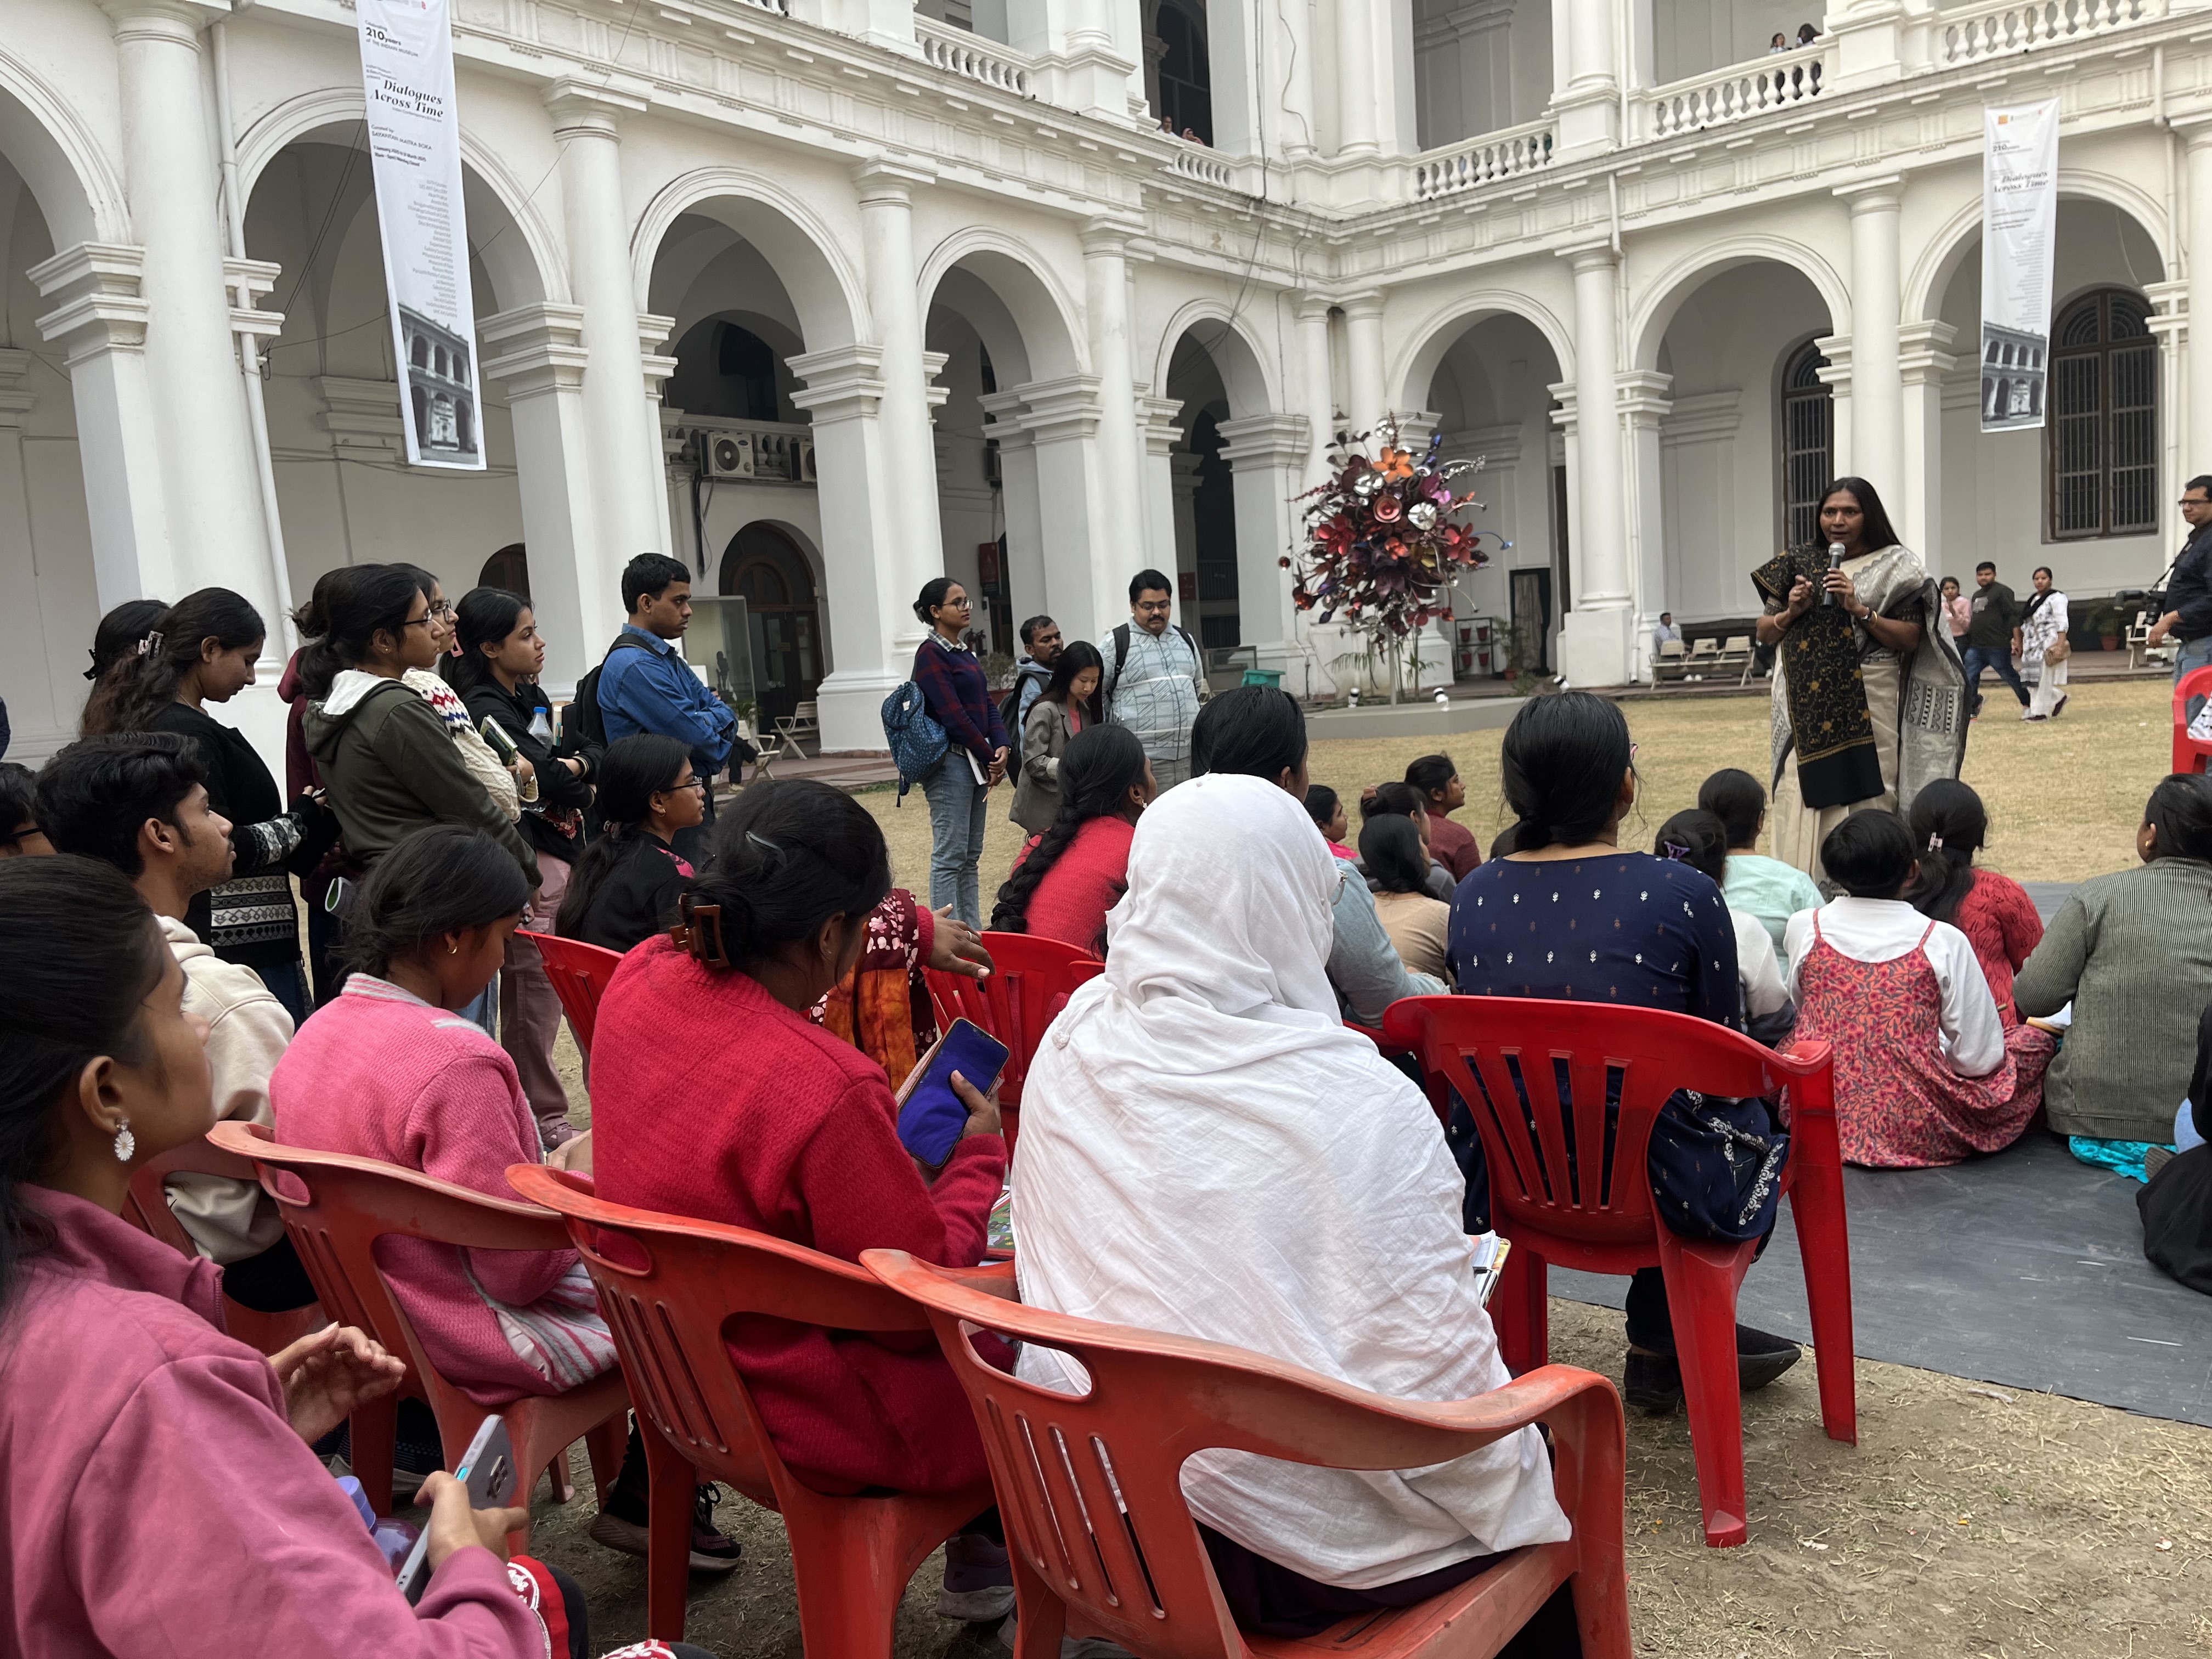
(1155, 678)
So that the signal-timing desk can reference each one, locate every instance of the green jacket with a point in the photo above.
(2133, 952)
(392, 770)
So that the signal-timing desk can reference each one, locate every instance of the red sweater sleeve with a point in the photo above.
(2021, 923)
(466, 1128)
(862, 1192)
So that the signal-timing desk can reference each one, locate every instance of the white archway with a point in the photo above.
(1443, 328)
(1650, 314)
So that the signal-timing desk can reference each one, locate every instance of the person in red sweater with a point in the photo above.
(1066, 880)
(390, 1070)
(1451, 844)
(714, 1096)
(1995, 913)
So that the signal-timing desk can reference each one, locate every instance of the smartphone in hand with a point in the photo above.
(487, 1469)
(931, 1116)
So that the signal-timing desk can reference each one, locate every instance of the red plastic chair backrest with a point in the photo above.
(1029, 983)
(1499, 1052)
(147, 1208)
(1089, 1485)
(670, 1289)
(336, 1206)
(579, 973)
(2189, 754)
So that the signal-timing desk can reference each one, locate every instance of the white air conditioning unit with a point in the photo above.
(802, 460)
(729, 454)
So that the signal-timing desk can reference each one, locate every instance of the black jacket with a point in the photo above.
(562, 796)
(2188, 591)
(1995, 614)
(635, 899)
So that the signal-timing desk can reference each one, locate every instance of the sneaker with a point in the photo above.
(555, 1133)
(979, 1580)
(620, 1525)
(1761, 1357)
(2059, 708)
(2035, 717)
(1071, 1647)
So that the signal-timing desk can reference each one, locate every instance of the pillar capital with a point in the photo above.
(1882, 194)
(1108, 237)
(1590, 256)
(99, 308)
(1266, 440)
(534, 348)
(1066, 407)
(177, 22)
(1641, 395)
(1924, 355)
(888, 182)
(1158, 417)
(2195, 131)
(1315, 307)
(14, 402)
(1362, 305)
(587, 107)
(842, 384)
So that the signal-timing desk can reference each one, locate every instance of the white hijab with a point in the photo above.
(1206, 1149)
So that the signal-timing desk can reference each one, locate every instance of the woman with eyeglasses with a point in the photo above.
(386, 757)
(622, 888)
(511, 785)
(958, 694)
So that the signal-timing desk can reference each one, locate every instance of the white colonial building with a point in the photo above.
(828, 297)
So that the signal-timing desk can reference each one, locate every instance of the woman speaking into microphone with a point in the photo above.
(1870, 695)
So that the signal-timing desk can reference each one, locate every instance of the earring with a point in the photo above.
(453, 950)
(126, 1143)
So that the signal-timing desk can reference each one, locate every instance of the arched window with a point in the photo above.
(1807, 446)
(2103, 447)
(509, 569)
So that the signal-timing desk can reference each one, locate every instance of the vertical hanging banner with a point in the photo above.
(415, 147)
(2020, 222)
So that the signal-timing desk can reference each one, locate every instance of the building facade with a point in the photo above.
(826, 297)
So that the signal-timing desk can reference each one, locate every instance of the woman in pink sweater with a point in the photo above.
(174, 1506)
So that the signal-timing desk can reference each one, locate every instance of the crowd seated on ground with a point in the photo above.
(1764, 889)
(1698, 839)
(1402, 801)
(1995, 913)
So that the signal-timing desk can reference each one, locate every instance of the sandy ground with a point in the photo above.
(1969, 1521)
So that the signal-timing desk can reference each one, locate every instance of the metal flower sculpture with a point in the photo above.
(1382, 549)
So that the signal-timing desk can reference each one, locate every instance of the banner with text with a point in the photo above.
(415, 146)
(2019, 220)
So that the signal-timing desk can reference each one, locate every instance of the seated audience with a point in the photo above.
(119, 632)
(1215, 1026)
(1259, 732)
(1071, 693)
(622, 890)
(1568, 914)
(1993, 911)
(181, 1510)
(1064, 882)
(202, 651)
(1926, 1072)
(1403, 800)
(511, 785)
(20, 835)
(2176, 1203)
(883, 1006)
(761, 1119)
(2130, 952)
(1397, 865)
(1326, 811)
(1451, 844)
(138, 802)
(1757, 886)
(1697, 839)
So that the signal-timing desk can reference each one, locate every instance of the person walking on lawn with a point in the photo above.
(1992, 636)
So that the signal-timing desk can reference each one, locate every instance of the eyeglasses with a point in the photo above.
(422, 621)
(443, 611)
(700, 784)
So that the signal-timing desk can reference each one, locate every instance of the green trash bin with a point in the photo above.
(1263, 677)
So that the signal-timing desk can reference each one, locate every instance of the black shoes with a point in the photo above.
(1652, 1383)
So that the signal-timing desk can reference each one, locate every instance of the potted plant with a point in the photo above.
(2104, 621)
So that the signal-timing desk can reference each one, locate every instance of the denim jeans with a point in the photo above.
(287, 983)
(1998, 657)
(2193, 653)
(485, 1010)
(957, 806)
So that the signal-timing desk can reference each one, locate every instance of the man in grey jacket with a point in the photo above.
(1259, 731)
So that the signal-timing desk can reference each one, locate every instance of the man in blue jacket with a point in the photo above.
(652, 689)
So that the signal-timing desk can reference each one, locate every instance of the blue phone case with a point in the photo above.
(932, 1116)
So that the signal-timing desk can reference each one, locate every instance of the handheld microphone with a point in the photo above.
(1835, 563)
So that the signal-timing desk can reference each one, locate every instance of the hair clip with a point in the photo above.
(700, 932)
(763, 843)
(150, 645)
(1934, 843)
(1676, 851)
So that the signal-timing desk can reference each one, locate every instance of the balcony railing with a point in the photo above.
(1995, 31)
(1506, 153)
(971, 57)
(1738, 92)
(1195, 161)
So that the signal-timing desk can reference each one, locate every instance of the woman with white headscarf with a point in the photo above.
(1206, 1150)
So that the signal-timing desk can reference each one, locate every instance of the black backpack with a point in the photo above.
(1121, 656)
(581, 722)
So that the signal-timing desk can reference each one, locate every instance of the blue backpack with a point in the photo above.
(917, 742)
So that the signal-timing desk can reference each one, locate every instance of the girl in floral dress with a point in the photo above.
(1926, 1072)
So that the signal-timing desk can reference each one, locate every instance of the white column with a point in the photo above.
(535, 355)
(2197, 456)
(1267, 457)
(1297, 81)
(1836, 377)
(1317, 396)
(869, 616)
(652, 334)
(216, 530)
(2169, 324)
(886, 190)
(1358, 127)
(1082, 580)
(1587, 105)
(1877, 383)
(41, 702)
(1018, 501)
(1368, 401)
(632, 508)
(99, 320)
(1161, 435)
(1595, 640)
(1116, 536)
(1087, 53)
(1923, 361)
(1643, 406)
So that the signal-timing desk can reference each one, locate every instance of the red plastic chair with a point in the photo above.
(579, 973)
(1063, 1464)
(147, 1207)
(2189, 754)
(1481, 1045)
(336, 1207)
(851, 1556)
(1031, 980)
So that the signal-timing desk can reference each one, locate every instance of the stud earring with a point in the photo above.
(126, 1143)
